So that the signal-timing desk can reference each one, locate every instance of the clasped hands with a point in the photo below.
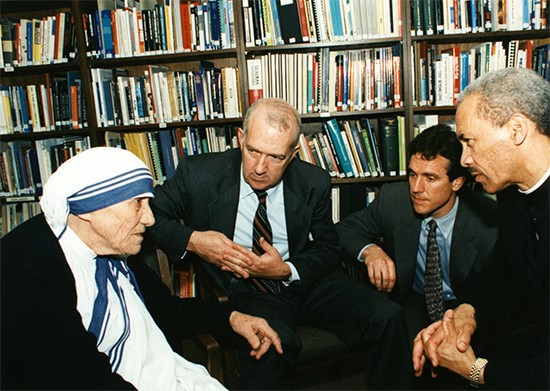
(446, 343)
(219, 250)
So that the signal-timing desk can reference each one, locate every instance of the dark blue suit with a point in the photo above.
(204, 194)
(391, 217)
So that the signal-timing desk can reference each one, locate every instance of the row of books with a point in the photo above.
(148, 27)
(58, 104)
(329, 81)
(279, 22)
(357, 148)
(26, 166)
(162, 96)
(161, 150)
(440, 77)
(49, 40)
(13, 214)
(476, 16)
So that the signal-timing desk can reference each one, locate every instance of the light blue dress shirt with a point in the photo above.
(444, 235)
(248, 203)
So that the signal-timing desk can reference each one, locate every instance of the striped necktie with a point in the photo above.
(262, 228)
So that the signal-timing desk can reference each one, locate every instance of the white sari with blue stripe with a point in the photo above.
(136, 347)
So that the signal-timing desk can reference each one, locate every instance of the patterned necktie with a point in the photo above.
(262, 228)
(433, 284)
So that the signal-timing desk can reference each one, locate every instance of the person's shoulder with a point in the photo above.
(32, 239)
(35, 226)
(483, 205)
(211, 161)
(305, 169)
(394, 191)
(233, 153)
(473, 196)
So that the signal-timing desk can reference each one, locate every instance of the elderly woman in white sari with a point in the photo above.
(73, 316)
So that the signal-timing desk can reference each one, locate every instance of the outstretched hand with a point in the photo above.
(257, 332)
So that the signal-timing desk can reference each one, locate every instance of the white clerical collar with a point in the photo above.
(537, 185)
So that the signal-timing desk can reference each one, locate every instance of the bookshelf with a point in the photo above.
(300, 59)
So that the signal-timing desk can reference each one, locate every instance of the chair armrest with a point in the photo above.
(213, 352)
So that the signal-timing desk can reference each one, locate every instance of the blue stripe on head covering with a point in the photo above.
(112, 191)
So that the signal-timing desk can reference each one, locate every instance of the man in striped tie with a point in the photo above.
(259, 222)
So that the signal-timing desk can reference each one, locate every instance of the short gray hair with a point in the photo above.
(507, 91)
(279, 114)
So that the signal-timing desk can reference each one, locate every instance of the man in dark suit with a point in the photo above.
(291, 276)
(503, 122)
(399, 216)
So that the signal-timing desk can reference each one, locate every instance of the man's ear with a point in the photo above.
(457, 183)
(240, 136)
(519, 126)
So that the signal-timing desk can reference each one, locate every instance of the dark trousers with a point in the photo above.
(362, 317)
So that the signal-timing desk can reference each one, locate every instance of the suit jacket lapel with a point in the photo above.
(462, 251)
(296, 213)
(223, 209)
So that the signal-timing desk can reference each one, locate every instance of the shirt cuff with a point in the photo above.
(361, 252)
(294, 276)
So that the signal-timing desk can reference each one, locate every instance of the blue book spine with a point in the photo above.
(15, 168)
(345, 87)
(185, 94)
(463, 71)
(25, 118)
(472, 14)
(224, 24)
(108, 102)
(357, 139)
(29, 43)
(526, 24)
(35, 171)
(99, 35)
(374, 145)
(214, 14)
(165, 140)
(334, 132)
(278, 39)
(107, 30)
(193, 140)
(201, 112)
(336, 16)
(140, 101)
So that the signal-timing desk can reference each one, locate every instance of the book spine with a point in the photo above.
(389, 141)
(336, 136)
